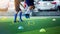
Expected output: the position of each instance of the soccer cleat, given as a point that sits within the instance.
(21, 20)
(14, 21)
(27, 15)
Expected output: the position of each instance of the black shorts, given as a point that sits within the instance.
(17, 8)
(30, 2)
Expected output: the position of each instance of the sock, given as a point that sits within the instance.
(31, 11)
(27, 11)
(20, 15)
(15, 17)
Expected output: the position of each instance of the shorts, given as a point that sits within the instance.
(30, 2)
(17, 8)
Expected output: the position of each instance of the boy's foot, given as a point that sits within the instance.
(14, 21)
(27, 15)
(20, 20)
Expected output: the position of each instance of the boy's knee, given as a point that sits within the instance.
(32, 7)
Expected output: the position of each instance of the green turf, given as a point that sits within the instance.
(31, 26)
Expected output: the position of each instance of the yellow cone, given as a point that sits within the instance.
(53, 19)
(42, 30)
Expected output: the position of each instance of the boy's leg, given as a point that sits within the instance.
(15, 16)
(20, 16)
(27, 13)
(29, 10)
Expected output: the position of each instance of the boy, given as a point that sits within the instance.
(17, 8)
(31, 6)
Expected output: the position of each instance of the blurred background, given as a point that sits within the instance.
(42, 8)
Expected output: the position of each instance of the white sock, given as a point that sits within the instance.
(28, 11)
(31, 11)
